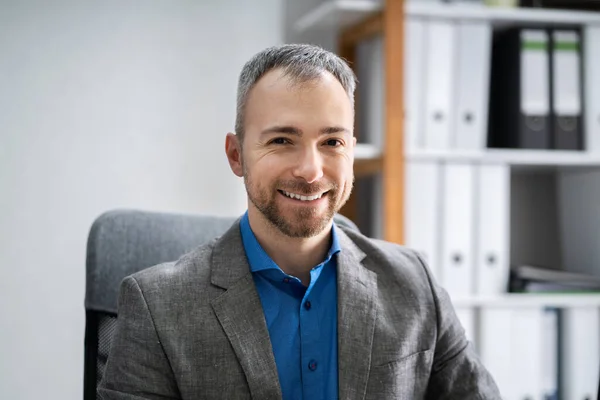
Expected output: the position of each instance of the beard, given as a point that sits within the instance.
(302, 221)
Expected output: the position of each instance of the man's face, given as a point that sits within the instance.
(298, 151)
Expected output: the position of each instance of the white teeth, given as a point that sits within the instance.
(302, 198)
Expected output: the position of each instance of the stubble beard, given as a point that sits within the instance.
(304, 221)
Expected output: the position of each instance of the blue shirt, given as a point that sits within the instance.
(302, 321)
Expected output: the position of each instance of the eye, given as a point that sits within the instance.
(279, 140)
(333, 142)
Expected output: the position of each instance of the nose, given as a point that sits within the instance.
(309, 166)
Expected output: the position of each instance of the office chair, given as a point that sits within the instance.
(123, 242)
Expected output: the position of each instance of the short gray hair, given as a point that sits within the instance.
(301, 62)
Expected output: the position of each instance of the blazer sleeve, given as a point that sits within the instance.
(137, 367)
(457, 371)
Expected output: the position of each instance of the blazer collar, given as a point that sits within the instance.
(241, 316)
(357, 313)
(229, 262)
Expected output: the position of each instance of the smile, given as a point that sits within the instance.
(301, 197)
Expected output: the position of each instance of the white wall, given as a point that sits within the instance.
(104, 104)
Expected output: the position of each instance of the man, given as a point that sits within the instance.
(286, 304)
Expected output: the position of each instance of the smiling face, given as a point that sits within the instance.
(297, 153)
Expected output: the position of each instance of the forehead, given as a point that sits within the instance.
(278, 98)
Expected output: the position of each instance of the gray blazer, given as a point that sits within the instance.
(195, 329)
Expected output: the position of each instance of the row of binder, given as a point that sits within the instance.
(447, 83)
(533, 88)
(538, 353)
(479, 223)
(458, 217)
(536, 90)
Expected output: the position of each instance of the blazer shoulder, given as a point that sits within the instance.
(395, 262)
(190, 268)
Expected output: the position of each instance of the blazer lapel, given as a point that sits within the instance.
(240, 313)
(357, 312)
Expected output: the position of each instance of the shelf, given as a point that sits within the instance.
(337, 14)
(364, 151)
(535, 300)
(368, 160)
(341, 14)
(502, 15)
(522, 158)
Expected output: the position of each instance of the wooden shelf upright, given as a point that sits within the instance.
(389, 23)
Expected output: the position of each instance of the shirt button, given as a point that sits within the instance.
(307, 305)
(312, 365)
(286, 280)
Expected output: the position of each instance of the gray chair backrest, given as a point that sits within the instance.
(123, 242)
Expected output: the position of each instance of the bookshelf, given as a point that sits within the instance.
(338, 14)
(517, 158)
(343, 14)
(354, 21)
(368, 160)
(501, 16)
(530, 186)
(530, 300)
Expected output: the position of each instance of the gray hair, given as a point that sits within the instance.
(301, 62)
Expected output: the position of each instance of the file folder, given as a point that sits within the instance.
(566, 90)
(458, 228)
(415, 82)
(520, 92)
(473, 77)
(492, 263)
(591, 5)
(495, 347)
(440, 44)
(550, 353)
(591, 74)
(512, 350)
(466, 316)
(580, 332)
(527, 353)
(422, 222)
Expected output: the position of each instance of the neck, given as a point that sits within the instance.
(295, 256)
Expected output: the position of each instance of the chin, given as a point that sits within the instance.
(302, 226)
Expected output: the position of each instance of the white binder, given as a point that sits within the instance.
(422, 222)
(511, 349)
(580, 352)
(492, 262)
(414, 82)
(495, 347)
(566, 83)
(535, 74)
(591, 75)
(566, 76)
(457, 228)
(550, 358)
(370, 72)
(466, 316)
(473, 77)
(440, 43)
(527, 353)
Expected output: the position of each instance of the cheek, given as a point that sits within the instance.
(341, 168)
(266, 168)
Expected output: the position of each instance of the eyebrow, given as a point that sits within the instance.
(290, 130)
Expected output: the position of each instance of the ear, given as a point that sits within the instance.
(233, 149)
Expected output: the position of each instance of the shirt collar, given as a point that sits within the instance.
(259, 260)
